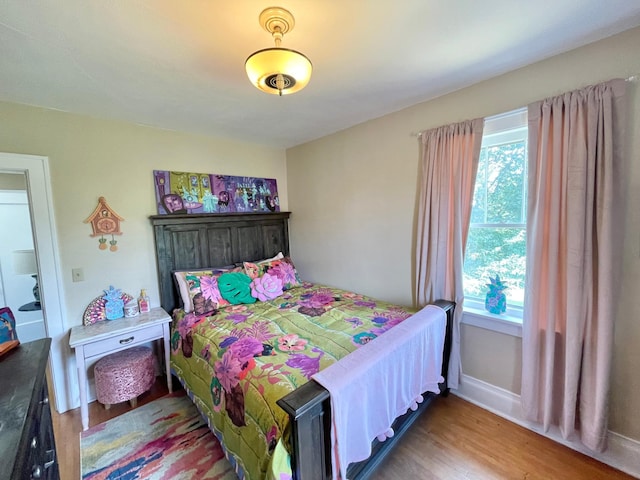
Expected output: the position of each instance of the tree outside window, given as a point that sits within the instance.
(497, 233)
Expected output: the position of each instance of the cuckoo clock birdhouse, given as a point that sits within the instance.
(104, 221)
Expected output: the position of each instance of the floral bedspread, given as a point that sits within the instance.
(238, 362)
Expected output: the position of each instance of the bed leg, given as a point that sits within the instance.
(449, 308)
(309, 410)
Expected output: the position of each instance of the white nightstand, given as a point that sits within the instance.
(93, 341)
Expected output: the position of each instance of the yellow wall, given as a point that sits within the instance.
(353, 197)
(89, 158)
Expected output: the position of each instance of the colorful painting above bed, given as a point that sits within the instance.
(188, 192)
(229, 360)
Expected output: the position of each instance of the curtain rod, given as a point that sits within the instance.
(632, 79)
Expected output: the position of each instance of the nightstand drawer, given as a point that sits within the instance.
(125, 340)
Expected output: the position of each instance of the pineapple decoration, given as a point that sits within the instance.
(114, 304)
(496, 300)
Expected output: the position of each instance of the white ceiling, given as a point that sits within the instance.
(179, 64)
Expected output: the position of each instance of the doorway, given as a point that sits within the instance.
(38, 187)
(18, 263)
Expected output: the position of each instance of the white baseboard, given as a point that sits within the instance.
(623, 452)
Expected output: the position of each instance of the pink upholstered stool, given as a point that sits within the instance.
(124, 375)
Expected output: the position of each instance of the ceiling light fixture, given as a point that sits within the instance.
(278, 70)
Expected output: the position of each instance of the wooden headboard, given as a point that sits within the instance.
(214, 240)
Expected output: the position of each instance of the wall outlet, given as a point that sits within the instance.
(77, 275)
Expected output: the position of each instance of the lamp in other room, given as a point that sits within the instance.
(278, 70)
(24, 263)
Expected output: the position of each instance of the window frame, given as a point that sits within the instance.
(501, 128)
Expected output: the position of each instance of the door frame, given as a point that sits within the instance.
(36, 170)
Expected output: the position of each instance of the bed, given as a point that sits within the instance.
(301, 429)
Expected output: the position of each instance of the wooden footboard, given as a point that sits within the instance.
(309, 410)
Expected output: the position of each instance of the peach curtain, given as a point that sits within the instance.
(449, 164)
(572, 248)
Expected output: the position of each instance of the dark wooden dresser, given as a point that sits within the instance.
(27, 446)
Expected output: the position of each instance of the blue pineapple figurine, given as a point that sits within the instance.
(114, 306)
(496, 300)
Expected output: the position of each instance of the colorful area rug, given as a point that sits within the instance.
(165, 439)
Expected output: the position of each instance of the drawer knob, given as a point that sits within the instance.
(45, 401)
(34, 442)
(36, 472)
(124, 341)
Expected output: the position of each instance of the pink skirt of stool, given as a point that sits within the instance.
(124, 375)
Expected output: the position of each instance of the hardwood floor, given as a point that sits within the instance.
(456, 440)
(453, 440)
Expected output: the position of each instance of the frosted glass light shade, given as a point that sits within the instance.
(264, 66)
(24, 262)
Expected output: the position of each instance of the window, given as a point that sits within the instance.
(497, 233)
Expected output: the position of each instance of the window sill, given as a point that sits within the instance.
(507, 324)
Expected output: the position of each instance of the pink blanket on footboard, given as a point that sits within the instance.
(380, 381)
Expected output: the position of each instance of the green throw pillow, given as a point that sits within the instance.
(235, 288)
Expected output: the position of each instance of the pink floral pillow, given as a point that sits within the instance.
(199, 290)
(267, 287)
(280, 268)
